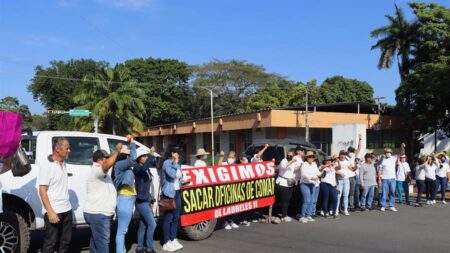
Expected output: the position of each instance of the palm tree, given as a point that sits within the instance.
(396, 42)
(114, 99)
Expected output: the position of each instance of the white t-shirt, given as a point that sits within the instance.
(308, 171)
(53, 175)
(345, 167)
(430, 171)
(255, 159)
(285, 172)
(199, 163)
(330, 176)
(402, 170)
(442, 171)
(176, 183)
(420, 172)
(388, 167)
(298, 162)
(101, 195)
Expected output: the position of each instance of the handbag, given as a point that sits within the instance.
(20, 166)
(166, 205)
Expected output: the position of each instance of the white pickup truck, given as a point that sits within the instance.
(21, 203)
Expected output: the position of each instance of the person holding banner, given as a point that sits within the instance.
(172, 180)
(144, 200)
(285, 183)
(201, 156)
(229, 221)
(309, 176)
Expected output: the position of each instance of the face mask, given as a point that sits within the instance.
(443, 160)
(204, 157)
(289, 157)
(388, 155)
(352, 155)
(230, 161)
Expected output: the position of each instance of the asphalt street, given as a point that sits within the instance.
(412, 229)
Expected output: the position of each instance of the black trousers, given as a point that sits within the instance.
(283, 195)
(60, 233)
(430, 185)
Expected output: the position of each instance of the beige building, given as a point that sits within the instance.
(237, 131)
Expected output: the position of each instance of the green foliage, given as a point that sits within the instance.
(11, 104)
(56, 85)
(115, 98)
(165, 84)
(338, 89)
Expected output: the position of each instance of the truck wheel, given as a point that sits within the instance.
(200, 230)
(14, 233)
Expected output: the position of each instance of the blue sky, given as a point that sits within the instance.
(301, 40)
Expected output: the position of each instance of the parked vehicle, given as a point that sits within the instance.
(278, 148)
(21, 202)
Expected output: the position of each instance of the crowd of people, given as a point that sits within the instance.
(340, 184)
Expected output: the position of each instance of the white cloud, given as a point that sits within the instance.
(127, 4)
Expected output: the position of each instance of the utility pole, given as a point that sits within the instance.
(306, 116)
(378, 99)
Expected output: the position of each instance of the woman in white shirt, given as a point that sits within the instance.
(442, 174)
(430, 180)
(201, 156)
(344, 182)
(420, 180)
(402, 179)
(285, 183)
(309, 176)
(328, 186)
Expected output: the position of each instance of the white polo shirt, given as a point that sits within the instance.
(199, 163)
(442, 170)
(54, 175)
(345, 167)
(402, 170)
(308, 171)
(285, 172)
(101, 195)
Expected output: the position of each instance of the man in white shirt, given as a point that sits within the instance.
(54, 194)
(402, 178)
(386, 170)
(101, 199)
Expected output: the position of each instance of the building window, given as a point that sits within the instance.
(248, 138)
(206, 140)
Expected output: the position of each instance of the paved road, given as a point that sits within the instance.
(412, 229)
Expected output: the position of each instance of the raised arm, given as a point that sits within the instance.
(170, 168)
(358, 149)
(403, 149)
(109, 162)
(261, 152)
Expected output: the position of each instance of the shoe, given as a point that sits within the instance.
(298, 216)
(303, 220)
(286, 219)
(168, 246)
(322, 213)
(418, 205)
(310, 219)
(408, 203)
(326, 216)
(393, 209)
(142, 250)
(177, 244)
(245, 223)
(346, 213)
(228, 227)
(434, 202)
(443, 202)
(234, 225)
(383, 209)
(150, 251)
(364, 209)
(428, 202)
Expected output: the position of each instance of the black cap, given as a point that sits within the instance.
(99, 154)
(351, 149)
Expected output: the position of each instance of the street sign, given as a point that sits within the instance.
(79, 113)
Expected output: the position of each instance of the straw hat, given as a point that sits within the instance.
(310, 153)
(201, 151)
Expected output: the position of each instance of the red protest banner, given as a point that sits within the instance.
(218, 191)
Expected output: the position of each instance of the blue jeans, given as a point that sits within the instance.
(170, 221)
(388, 186)
(329, 194)
(344, 190)
(420, 189)
(147, 225)
(315, 196)
(442, 182)
(367, 196)
(124, 214)
(357, 197)
(100, 226)
(307, 194)
(403, 185)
